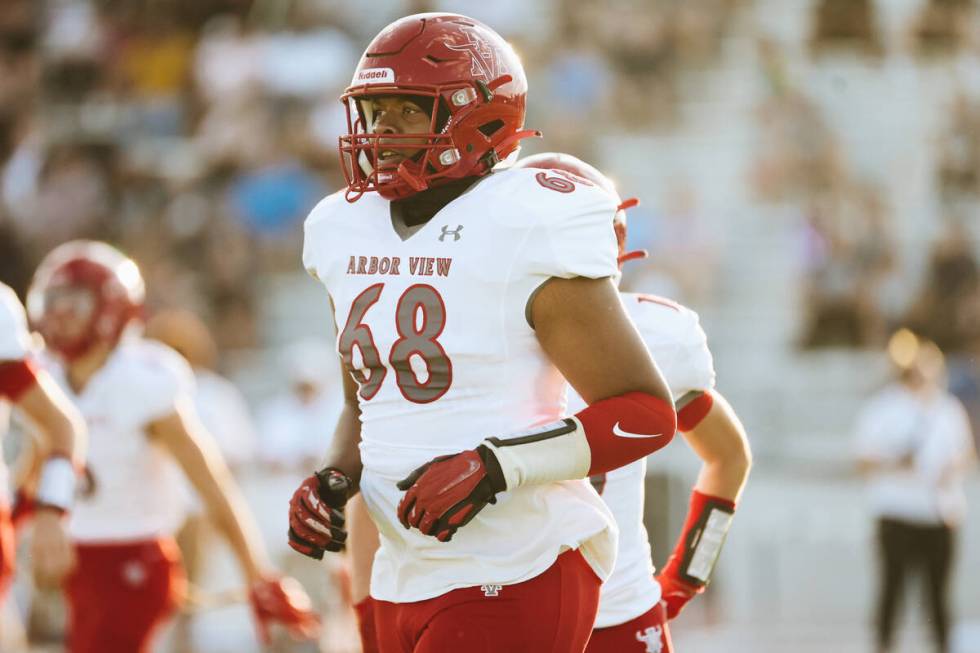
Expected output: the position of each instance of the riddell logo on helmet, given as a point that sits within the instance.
(375, 76)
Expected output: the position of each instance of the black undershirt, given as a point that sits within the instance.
(420, 207)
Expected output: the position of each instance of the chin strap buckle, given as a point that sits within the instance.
(417, 183)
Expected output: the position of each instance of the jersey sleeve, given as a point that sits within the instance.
(696, 368)
(574, 235)
(14, 337)
(164, 380)
(676, 341)
(317, 236)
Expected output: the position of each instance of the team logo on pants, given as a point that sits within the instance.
(491, 590)
(652, 637)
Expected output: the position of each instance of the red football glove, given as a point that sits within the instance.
(283, 601)
(688, 568)
(444, 494)
(316, 513)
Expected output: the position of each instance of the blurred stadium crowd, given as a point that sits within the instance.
(197, 134)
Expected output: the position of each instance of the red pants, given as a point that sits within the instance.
(366, 626)
(648, 633)
(551, 613)
(8, 549)
(120, 594)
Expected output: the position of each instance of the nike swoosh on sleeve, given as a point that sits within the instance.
(637, 436)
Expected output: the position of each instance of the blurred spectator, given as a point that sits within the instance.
(273, 199)
(682, 248)
(580, 85)
(75, 195)
(913, 446)
(226, 63)
(848, 256)
(947, 308)
(959, 150)
(850, 24)
(942, 26)
(296, 427)
(797, 155)
(308, 60)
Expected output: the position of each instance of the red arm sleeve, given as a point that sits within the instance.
(16, 378)
(625, 428)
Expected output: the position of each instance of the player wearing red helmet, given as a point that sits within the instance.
(32, 391)
(465, 294)
(457, 89)
(634, 607)
(85, 299)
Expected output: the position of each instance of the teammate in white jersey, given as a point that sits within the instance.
(634, 606)
(465, 296)
(135, 395)
(62, 430)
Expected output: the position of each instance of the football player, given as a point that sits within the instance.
(135, 395)
(465, 296)
(634, 606)
(62, 432)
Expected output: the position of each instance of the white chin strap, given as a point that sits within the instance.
(509, 160)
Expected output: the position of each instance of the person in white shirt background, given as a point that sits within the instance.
(914, 446)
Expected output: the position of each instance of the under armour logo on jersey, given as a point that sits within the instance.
(491, 590)
(652, 637)
(446, 231)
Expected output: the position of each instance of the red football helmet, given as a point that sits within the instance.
(84, 293)
(579, 168)
(477, 87)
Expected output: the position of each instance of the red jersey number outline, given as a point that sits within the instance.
(412, 341)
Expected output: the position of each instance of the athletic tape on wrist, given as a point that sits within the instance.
(709, 535)
(556, 451)
(56, 487)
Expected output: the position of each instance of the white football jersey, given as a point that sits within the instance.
(14, 346)
(137, 491)
(434, 327)
(14, 338)
(680, 348)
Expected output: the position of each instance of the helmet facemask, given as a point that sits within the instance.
(430, 159)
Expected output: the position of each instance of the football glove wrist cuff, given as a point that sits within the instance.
(555, 452)
(697, 549)
(335, 487)
(56, 487)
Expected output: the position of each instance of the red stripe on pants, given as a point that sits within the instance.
(551, 613)
(648, 633)
(120, 594)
